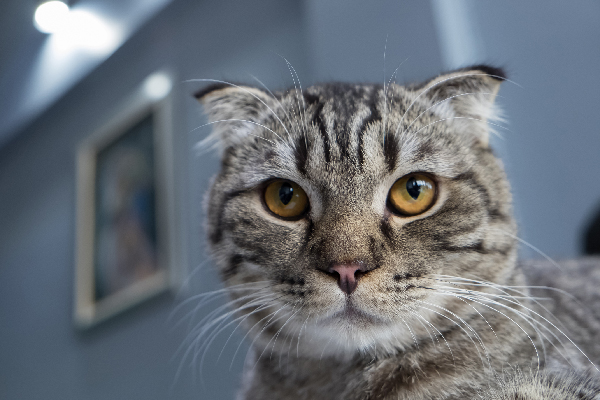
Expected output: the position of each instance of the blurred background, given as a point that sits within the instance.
(56, 89)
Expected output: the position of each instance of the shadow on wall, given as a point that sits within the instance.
(591, 236)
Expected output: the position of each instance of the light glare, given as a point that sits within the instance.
(157, 85)
(87, 31)
(51, 17)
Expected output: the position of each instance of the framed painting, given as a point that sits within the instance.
(124, 228)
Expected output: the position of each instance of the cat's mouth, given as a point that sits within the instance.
(354, 315)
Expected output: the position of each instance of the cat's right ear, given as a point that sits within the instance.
(233, 110)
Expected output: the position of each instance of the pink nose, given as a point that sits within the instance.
(347, 276)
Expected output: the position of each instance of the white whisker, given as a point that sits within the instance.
(506, 316)
(440, 334)
(438, 103)
(467, 334)
(247, 91)
(301, 95)
(203, 143)
(452, 118)
(533, 248)
(287, 115)
(439, 83)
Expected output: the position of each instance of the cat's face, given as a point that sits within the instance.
(338, 209)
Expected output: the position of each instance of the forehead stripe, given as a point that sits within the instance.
(374, 116)
(301, 153)
(318, 119)
(391, 148)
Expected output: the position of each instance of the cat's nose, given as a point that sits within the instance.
(348, 275)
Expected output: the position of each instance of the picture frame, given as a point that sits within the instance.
(125, 207)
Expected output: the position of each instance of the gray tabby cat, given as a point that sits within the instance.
(366, 238)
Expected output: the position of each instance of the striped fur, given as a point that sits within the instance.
(407, 331)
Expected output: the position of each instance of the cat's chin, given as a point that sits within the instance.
(345, 340)
(352, 330)
(352, 315)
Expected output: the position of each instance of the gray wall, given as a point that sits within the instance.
(551, 48)
(552, 160)
(347, 39)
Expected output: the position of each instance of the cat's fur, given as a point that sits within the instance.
(441, 312)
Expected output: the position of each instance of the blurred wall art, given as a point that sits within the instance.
(123, 223)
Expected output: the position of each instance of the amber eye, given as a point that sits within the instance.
(286, 199)
(412, 194)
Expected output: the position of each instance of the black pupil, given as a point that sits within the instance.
(285, 193)
(413, 187)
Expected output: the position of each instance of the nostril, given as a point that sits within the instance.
(359, 273)
(347, 275)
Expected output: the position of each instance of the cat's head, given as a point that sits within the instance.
(338, 209)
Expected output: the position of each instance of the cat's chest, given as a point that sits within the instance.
(407, 376)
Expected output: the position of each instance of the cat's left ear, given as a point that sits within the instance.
(468, 94)
(234, 110)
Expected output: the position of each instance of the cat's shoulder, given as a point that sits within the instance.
(571, 275)
(545, 386)
(566, 294)
(566, 286)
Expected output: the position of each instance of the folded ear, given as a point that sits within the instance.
(232, 110)
(467, 94)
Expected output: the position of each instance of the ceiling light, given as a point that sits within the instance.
(51, 16)
(157, 85)
(88, 31)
